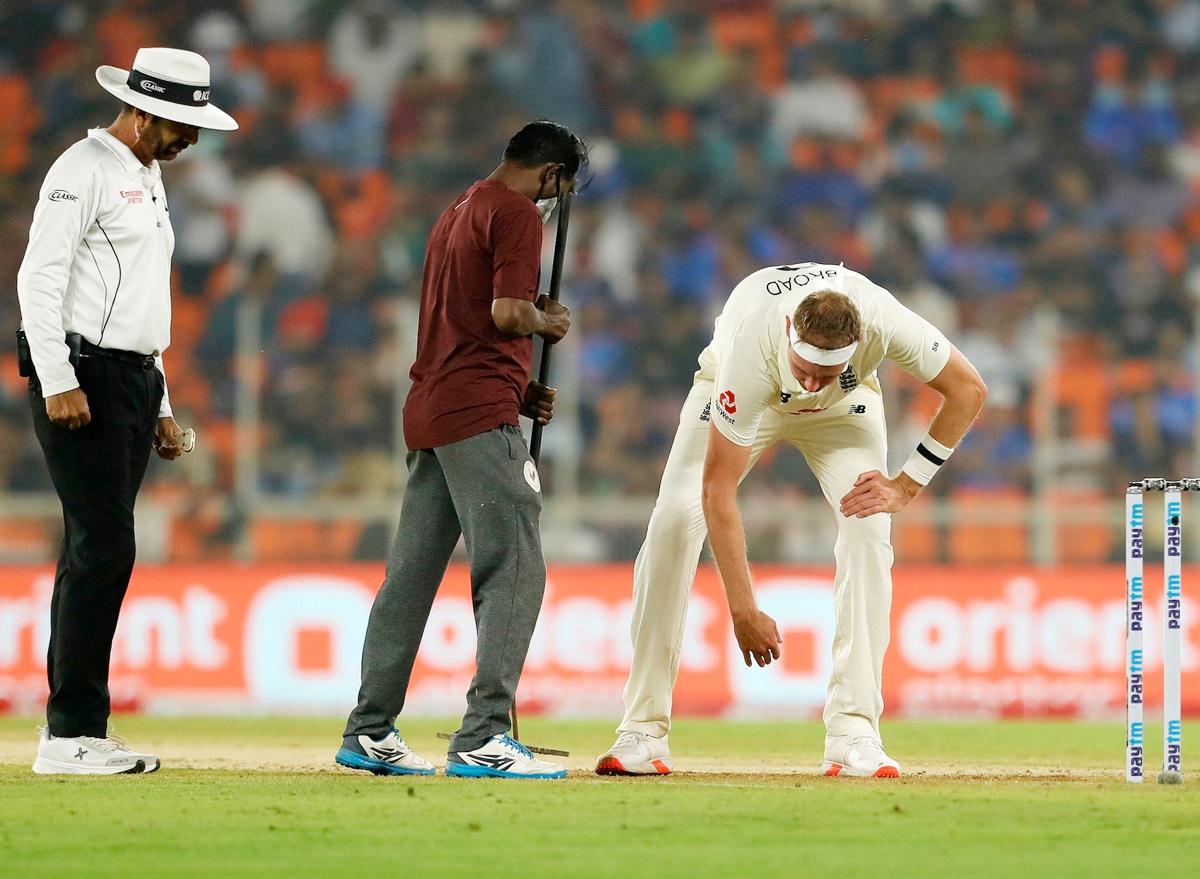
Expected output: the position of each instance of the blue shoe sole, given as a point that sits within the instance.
(463, 770)
(346, 757)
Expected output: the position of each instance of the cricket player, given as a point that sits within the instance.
(793, 358)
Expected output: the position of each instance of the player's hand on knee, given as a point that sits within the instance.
(873, 493)
(69, 409)
(758, 637)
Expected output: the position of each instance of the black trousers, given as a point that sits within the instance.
(96, 471)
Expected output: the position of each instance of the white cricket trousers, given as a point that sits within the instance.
(838, 443)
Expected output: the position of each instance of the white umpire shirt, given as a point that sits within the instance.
(98, 261)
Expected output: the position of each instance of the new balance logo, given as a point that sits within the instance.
(858, 409)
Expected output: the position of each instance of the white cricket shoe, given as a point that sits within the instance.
(88, 755)
(501, 756)
(858, 756)
(636, 753)
(388, 756)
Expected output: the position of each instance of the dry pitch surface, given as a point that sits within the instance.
(711, 750)
(261, 797)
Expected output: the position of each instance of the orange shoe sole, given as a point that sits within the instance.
(881, 772)
(612, 766)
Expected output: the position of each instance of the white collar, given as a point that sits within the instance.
(123, 153)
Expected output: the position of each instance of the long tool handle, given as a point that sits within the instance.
(543, 376)
(556, 270)
(553, 752)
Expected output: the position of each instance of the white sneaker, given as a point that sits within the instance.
(88, 755)
(388, 756)
(859, 756)
(636, 753)
(501, 756)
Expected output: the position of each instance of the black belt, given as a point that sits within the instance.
(143, 361)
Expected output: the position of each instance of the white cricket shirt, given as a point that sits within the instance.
(747, 360)
(98, 261)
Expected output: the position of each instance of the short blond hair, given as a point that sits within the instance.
(827, 319)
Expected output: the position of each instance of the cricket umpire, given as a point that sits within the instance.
(470, 472)
(95, 296)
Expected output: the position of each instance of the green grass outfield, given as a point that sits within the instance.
(261, 797)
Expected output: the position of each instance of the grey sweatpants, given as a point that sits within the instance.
(484, 488)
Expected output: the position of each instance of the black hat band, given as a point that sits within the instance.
(165, 90)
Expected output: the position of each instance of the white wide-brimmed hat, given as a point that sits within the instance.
(171, 83)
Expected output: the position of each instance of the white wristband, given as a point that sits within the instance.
(926, 460)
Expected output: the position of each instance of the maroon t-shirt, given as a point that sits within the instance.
(468, 377)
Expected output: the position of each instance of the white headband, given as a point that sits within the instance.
(820, 356)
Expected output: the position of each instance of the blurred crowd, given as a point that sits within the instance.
(989, 162)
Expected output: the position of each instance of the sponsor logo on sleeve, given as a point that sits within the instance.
(726, 406)
(62, 195)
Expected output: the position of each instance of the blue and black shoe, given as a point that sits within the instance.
(388, 756)
(501, 756)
